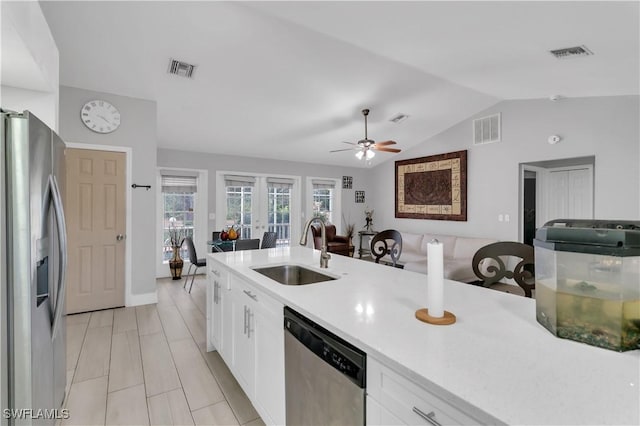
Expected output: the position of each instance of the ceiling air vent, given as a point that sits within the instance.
(398, 118)
(181, 69)
(486, 129)
(570, 52)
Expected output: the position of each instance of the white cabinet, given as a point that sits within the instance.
(393, 399)
(217, 292)
(251, 335)
(269, 385)
(242, 331)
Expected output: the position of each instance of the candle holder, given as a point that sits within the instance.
(447, 319)
(435, 288)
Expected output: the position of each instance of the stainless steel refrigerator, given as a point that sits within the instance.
(33, 261)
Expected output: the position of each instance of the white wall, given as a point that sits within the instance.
(354, 213)
(605, 127)
(138, 131)
(29, 62)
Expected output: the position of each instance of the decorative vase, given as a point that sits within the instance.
(176, 263)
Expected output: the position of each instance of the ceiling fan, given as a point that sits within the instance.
(366, 147)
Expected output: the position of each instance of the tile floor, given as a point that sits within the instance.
(149, 365)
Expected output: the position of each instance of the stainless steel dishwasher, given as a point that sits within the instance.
(324, 375)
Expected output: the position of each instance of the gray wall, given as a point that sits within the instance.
(213, 162)
(138, 131)
(605, 127)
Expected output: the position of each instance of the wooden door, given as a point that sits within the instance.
(95, 212)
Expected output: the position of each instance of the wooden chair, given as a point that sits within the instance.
(269, 240)
(194, 261)
(380, 245)
(497, 255)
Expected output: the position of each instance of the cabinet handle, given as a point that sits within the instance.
(251, 295)
(216, 288)
(431, 417)
(246, 323)
(249, 315)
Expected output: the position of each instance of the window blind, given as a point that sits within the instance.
(323, 184)
(239, 180)
(281, 183)
(179, 184)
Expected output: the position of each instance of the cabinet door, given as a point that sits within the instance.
(243, 342)
(226, 315)
(377, 415)
(269, 336)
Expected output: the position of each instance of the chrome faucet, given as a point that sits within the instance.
(324, 256)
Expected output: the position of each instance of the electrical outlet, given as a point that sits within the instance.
(507, 218)
(500, 218)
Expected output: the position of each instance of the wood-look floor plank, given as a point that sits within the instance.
(160, 373)
(173, 324)
(95, 354)
(148, 319)
(169, 408)
(75, 337)
(233, 393)
(87, 402)
(200, 387)
(217, 414)
(127, 407)
(126, 362)
(101, 318)
(124, 319)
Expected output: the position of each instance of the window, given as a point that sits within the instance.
(259, 203)
(324, 199)
(178, 201)
(239, 195)
(279, 209)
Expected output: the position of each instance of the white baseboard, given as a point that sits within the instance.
(142, 299)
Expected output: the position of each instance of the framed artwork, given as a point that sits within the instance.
(359, 196)
(433, 187)
(347, 182)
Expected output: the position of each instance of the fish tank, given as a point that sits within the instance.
(588, 281)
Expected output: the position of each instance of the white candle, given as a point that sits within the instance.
(435, 279)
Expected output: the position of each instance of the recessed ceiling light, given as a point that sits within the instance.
(570, 52)
(399, 118)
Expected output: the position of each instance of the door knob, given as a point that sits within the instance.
(120, 237)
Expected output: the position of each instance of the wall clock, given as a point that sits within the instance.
(100, 116)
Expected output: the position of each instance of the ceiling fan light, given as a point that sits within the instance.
(359, 155)
(370, 154)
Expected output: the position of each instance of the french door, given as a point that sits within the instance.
(257, 204)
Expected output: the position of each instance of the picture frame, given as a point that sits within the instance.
(347, 182)
(432, 187)
(359, 196)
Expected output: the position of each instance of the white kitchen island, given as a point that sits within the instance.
(496, 364)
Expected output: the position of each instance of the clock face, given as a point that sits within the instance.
(100, 116)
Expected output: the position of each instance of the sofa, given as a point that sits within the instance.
(458, 254)
(337, 244)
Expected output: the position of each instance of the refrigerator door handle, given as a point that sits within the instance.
(62, 244)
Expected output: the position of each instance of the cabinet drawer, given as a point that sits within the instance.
(218, 273)
(257, 298)
(410, 402)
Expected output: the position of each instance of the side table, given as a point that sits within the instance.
(366, 250)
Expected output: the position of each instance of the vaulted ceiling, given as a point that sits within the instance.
(287, 80)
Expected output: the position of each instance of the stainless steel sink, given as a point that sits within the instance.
(293, 274)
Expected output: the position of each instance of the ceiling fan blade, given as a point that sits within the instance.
(350, 143)
(387, 149)
(386, 143)
(340, 150)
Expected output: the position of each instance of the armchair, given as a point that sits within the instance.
(337, 244)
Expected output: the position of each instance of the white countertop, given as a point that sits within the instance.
(495, 358)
